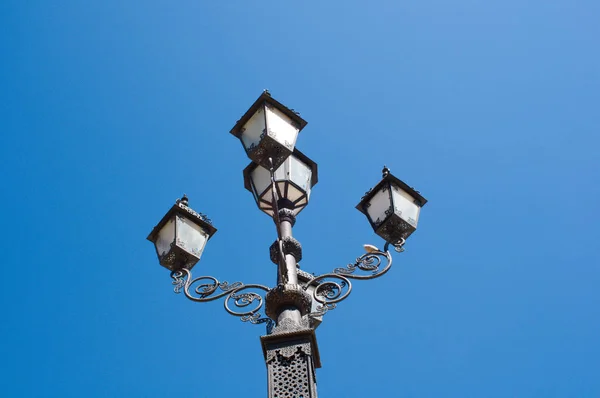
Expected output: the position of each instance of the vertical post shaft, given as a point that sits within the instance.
(290, 260)
(290, 274)
(291, 361)
(291, 351)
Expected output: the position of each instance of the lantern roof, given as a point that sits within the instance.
(265, 97)
(181, 208)
(390, 178)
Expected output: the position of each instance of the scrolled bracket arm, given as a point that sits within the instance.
(247, 303)
(331, 288)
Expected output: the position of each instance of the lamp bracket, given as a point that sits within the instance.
(333, 287)
(208, 288)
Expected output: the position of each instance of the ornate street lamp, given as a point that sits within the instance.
(281, 179)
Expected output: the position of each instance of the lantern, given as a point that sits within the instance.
(180, 236)
(268, 130)
(294, 180)
(392, 208)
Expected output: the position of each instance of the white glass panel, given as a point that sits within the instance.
(190, 236)
(379, 204)
(293, 193)
(404, 206)
(299, 173)
(282, 171)
(281, 189)
(266, 199)
(261, 179)
(253, 129)
(282, 127)
(166, 237)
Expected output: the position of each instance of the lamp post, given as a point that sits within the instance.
(281, 179)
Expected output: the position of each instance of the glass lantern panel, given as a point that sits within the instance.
(294, 193)
(261, 179)
(281, 189)
(404, 205)
(299, 173)
(379, 207)
(165, 237)
(190, 236)
(281, 127)
(253, 129)
(281, 172)
(302, 202)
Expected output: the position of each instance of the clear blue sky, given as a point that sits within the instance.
(110, 110)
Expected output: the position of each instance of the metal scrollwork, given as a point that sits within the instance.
(246, 304)
(398, 246)
(321, 309)
(329, 289)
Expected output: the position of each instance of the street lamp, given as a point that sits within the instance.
(281, 179)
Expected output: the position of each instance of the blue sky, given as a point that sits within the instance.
(110, 110)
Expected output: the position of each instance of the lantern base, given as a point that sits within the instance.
(394, 229)
(267, 148)
(177, 258)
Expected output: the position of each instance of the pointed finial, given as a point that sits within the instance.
(266, 91)
(184, 200)
(385, 171)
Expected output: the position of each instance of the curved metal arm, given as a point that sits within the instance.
(333, 287)
(211, 289)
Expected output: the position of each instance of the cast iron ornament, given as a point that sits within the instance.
(290, 246)
(329, 289)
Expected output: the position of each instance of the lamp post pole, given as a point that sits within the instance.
(288, 220)
(290, 350)
(281, 178)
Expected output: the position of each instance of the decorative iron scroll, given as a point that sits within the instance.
(333, 287)
(208, 288)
